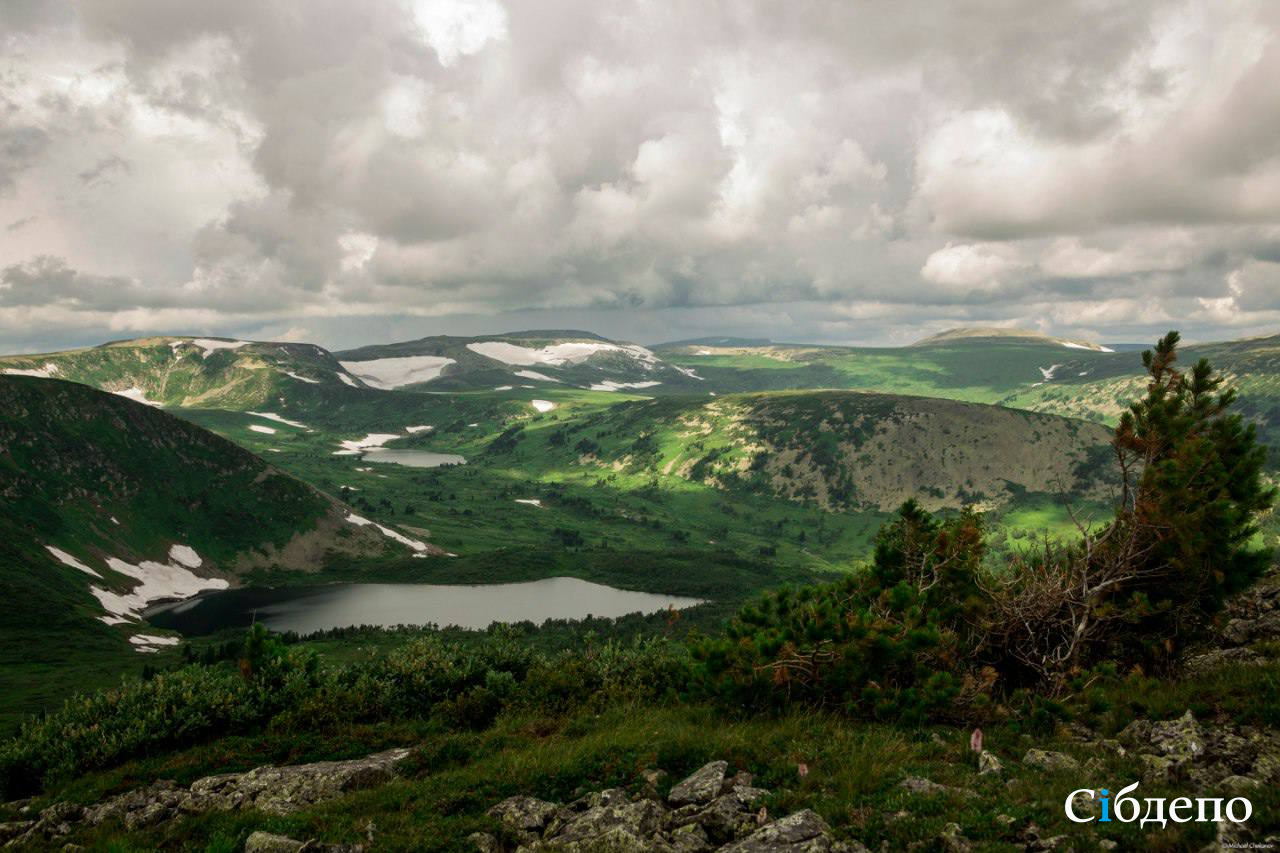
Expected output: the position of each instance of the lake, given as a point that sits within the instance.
(413, 458)
(318, 608)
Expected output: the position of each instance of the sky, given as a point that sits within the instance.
(349, 173)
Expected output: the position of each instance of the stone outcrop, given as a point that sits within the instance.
(275, 790)
(707, 811)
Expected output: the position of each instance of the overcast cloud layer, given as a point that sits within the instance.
(355, 172)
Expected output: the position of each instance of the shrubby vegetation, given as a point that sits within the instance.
(284, 690)
(930, 632)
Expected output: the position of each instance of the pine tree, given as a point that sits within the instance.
(1193, 490)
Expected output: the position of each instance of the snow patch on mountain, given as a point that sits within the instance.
(359, 521)
(208, 346)
(533, 374)
(389, 373)
(356, 446)
(272, 416)
(137, 395)
(156, 581)
(68, 560)
(47, 371)
(556, 355)
(610, 385)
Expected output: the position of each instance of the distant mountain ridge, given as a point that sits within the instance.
(971, 333)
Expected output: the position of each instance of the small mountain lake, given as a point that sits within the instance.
(319, 608)
(412, 458)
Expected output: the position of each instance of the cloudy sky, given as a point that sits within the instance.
(852, 172)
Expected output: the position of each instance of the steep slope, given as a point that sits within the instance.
(107, 505)
(534, 358)
(838, 450)
(196, 372)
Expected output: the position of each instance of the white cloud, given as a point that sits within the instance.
(232, 167)
(970, 266)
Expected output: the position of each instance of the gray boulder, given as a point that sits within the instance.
(1049, 761)
(524, 814)
(702, 787)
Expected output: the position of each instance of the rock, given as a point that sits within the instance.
(952, 841)
(702, 787)
(1055, 843)
(524, 814)
(802, 831)
(691, 838)
(1157, 769)
(277, 790)
(989, 764)
(1083, 805)
(1050, 762)
(484, 842)
(729, 816)
(61, 813)
(1179, 739)
(617, 821)
(918, 785)
(652, 779)
(14, 829)
(1203, 664)
(1239, 784)
(265, 842)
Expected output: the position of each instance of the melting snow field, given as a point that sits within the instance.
(137, 395)
(1099, 348)
(414, 429)
(305, 379)
(388, 373)
(208, 346)
(610, 385)
(530, 501)
(150, 643)
(48, 371)
(347, 380)
(570, 352)
(68, 560)
(542, 405)
(533, 374)
(263, 429)
(272, 416)
(155, 581)
(419, 547)
(356, 446)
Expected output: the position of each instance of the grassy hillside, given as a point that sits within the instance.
(792, 481)
(1018, 370)
(138, 503)
(195, 372)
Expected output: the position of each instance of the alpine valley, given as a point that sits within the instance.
(158, 494)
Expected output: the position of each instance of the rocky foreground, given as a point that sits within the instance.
(707, 811)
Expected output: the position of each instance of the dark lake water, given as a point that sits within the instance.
(307, 609)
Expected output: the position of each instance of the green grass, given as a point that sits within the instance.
(853, 770)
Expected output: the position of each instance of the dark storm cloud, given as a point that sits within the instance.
(832, 170)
